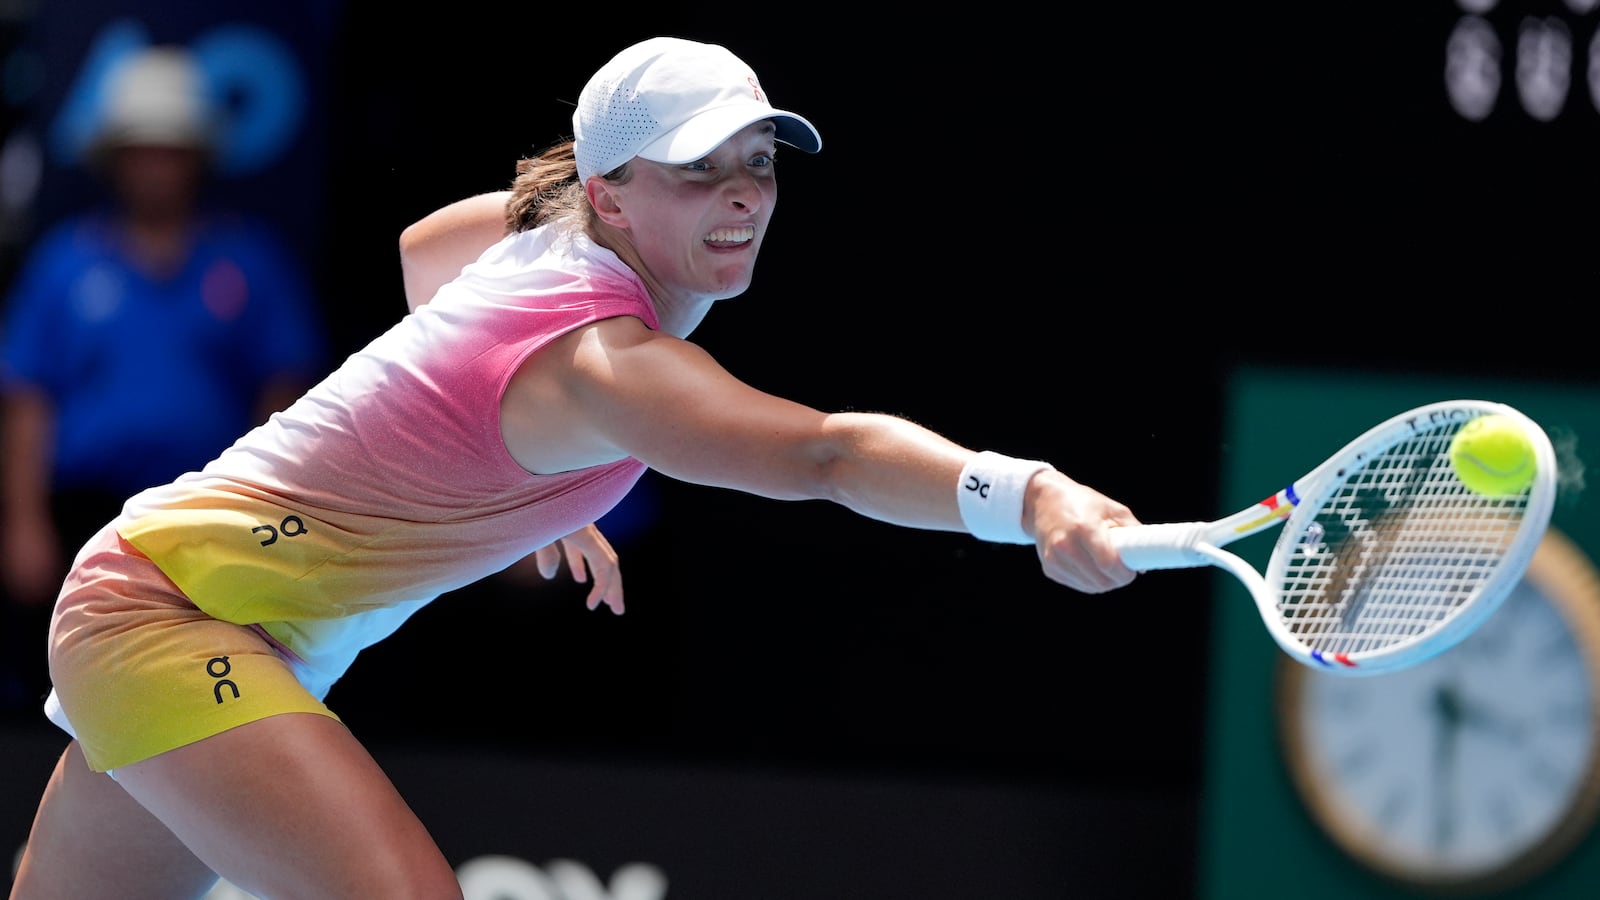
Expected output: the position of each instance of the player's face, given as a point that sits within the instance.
(698, 226)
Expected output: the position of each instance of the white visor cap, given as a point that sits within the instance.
(671, 100)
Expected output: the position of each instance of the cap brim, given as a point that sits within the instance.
(706, 131)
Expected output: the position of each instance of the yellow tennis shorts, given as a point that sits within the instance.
(138, 669)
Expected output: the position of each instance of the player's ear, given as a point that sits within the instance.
(606, 200)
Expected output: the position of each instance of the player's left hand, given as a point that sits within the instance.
(591, 558)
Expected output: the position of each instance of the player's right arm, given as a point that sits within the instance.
(435, 248)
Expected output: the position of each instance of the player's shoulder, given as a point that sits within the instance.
(621, 331)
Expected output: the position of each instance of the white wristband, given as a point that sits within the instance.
(990, 496)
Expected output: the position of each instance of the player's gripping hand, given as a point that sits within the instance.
(1071, 529)
(591, 558)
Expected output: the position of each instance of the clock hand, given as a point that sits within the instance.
(1481, 718)
(1447, 725)
(1447, 706)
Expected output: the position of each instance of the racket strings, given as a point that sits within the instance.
(1394, 551)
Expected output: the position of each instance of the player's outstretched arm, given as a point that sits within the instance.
(617, 388)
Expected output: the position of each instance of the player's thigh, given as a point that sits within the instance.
(91, 840)
(293, 806)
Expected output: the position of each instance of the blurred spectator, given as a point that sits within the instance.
(139, 339)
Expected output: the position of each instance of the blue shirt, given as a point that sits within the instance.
(151, 377)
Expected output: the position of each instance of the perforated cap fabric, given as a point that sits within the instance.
(672, 100)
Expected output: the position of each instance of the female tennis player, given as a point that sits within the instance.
(543, 367)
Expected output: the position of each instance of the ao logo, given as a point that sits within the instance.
(510, 878)
(253, 75)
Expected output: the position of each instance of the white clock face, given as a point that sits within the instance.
(1466, 762)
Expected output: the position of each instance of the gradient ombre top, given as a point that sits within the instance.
(388, 483)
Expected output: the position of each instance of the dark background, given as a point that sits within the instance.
(1050, 235)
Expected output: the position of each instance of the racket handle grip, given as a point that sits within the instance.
(1161, 546)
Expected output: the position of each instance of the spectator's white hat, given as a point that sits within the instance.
(155, 97)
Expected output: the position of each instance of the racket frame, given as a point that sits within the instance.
(1195, 544)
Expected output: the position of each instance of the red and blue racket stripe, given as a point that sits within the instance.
(1333, 660)
(1275, 507)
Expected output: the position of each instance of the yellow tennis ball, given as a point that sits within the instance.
(1493, 456)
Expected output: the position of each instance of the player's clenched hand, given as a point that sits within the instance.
(1071, 528)
(591, 558)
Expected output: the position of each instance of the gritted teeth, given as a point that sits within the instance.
(732, 235)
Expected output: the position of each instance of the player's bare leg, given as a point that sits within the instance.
(290, 806)
(90, 839)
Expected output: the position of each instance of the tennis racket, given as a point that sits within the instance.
(1385, 558)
